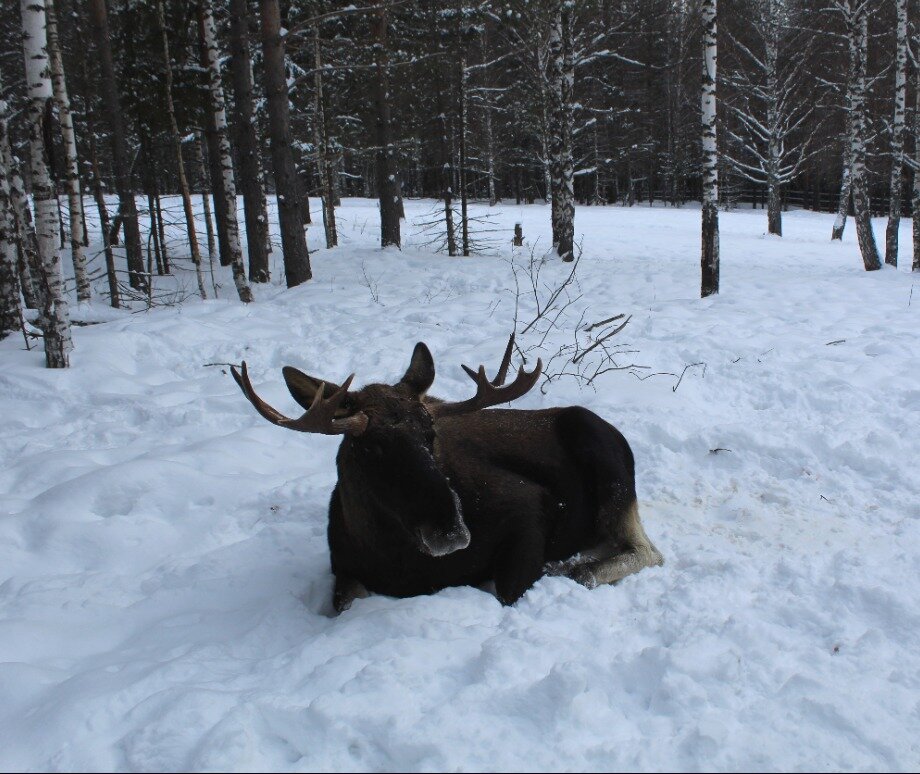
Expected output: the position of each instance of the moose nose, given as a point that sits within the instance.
(438, 543)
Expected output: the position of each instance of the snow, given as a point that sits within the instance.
(165, 587)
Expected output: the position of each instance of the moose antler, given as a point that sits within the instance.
(319, 418)
(491, 393)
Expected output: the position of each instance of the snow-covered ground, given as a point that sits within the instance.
(164, 578)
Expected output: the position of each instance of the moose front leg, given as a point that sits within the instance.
(519, 564)
(346, 591)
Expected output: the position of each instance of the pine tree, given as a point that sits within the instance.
(184, 189)
(293, 240)
(99, 22)
(249, 172)
(387, 172)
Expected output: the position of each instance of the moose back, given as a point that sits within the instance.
(433, 494)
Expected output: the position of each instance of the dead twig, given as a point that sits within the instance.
(687, 368)
(602, 323)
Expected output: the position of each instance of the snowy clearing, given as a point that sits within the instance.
(165, 593)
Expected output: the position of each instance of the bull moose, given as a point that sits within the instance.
(433, 494)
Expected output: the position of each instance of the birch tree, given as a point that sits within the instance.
(74, 195)
(217, 115)
(55, 318)
(915, 203)
(561, 68)
(897, 136)
(28, 266)
(10, 310)
(710, 225)
(856, 13)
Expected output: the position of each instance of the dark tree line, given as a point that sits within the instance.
(594, 102)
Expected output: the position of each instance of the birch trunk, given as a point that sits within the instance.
(447, 171)
(561, 86)
(858, 29)
(177, 149)
(74, 196)
(293, 240)
(897, 137)
(462, 107)
(10, 312)
(56, 319)
(915, 204)
(224, 160)
(247, 144)
(775, 141)
(843, 202)
(710, 219)
(27, 251)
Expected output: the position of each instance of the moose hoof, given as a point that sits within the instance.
(585, 577)
(347, 592)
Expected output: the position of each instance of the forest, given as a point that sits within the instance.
(591, 103)
(584, 261)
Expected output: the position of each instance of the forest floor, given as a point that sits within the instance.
(164, 575)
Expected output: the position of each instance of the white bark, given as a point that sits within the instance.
(710, 224)
(915, 203)
(219, 123)
(74, 196)
(38, 85)
(9, 282)
(561, 70)
(858, 33)
(25, 232)
(897, 136)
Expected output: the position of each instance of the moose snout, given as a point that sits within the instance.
(436, 542)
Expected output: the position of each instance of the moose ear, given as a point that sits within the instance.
(303, 388)
(420, 373)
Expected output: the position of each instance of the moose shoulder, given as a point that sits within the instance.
(433, 494)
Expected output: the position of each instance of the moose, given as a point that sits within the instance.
(432, 494)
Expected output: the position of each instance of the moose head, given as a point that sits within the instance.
(387, 461)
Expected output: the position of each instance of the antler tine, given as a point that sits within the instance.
(319, 418)
(499, 379)
(488, 394)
